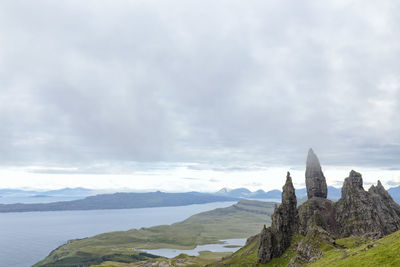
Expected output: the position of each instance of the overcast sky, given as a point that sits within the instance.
(196, 95)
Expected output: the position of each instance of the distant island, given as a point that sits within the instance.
(120, 201)
(151, 199)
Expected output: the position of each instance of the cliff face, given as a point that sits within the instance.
(360, 213)
(276, 239)
(372, 213)
(320, 212)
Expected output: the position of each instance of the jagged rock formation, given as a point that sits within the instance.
(317, 210)
(308, 249)
(315, 179)
(320, 212)
(372, 213)
(276, 239)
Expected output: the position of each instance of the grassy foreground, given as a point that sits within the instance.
(382, 252)
(205, 258)
(241, 220)
(352, 252)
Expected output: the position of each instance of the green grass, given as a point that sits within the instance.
(203, 259)
(352, 252)
(383, 252)
(247, 256)
(238, 221)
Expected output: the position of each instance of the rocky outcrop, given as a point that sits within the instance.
(315, 179)
(276, 238)
(319, 212)
(309, 249)
(373, 213)
(386, 206)
(268, 245)
(285, 218)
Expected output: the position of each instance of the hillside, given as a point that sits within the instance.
(120, 201)
(238, 221)
(349, 252)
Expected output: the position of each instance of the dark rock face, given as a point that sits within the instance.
(315, 179)
(268, 248)
(285, 217)
(319, 212)
(308, 249)
(362, 213)
(276, 239)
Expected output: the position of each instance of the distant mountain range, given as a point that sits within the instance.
(120, 201)
(91, 201)
(395, 193)
(246, 193)
(68, 192)
(333, 193)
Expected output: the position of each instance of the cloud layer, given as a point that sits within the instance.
(223, 83)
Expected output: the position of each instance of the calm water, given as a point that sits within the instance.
(170, 253)
(26, 238)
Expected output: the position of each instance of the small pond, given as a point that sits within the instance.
(229, 245)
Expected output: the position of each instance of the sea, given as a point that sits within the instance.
(28, 237)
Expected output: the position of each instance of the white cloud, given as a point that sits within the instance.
(219, 83)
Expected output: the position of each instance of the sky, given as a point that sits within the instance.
(197, 95)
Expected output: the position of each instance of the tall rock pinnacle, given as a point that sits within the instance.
(275, 239)
(315, 179)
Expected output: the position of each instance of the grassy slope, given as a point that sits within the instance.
(383, 252)
(238, 221)
(247, 256)
(203, 259)
(353, 252)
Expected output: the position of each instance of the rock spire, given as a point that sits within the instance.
(275, 239)
(315, 179)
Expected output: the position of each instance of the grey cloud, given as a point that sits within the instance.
(222, 83)
(254, 184)
(393, 183)
(337, 183)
